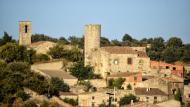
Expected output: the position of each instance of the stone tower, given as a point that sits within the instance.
(92, 35)
(25, 33)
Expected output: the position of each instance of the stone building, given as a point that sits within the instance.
(132, 78)
(25, 33)
(150, 95)
(109, 60)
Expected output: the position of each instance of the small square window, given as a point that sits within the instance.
(174, 68)
(129, 61)
(93, 97)
(167, 67)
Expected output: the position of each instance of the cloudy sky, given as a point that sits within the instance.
(139, 18)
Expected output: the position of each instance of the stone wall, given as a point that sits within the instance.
(98, 83)
(55, 65)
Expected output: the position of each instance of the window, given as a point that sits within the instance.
(26, 29)
(92, 97)
(129, 61)
(174, 68)
(116, 61)
(167, 67)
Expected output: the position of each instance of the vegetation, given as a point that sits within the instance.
(106, 105)
(178, 95)
(82, 72)
(15, 76)
(127, 99)
(42, 37)
(129, 87)
(59, 51)
(71, 101)
(116, 83)
(5, 39)
(87, 86)
(40, 58)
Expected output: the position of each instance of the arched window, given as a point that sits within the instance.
(25, 28)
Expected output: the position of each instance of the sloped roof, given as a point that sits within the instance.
(123, 50)
(150, 92)
(122, 74)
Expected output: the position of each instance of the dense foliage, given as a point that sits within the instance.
(127, 99)
(15, 76)
(42, 37)
(59, 51)
(116, 83)
(5, 39)
(73, 102)
(82, 72)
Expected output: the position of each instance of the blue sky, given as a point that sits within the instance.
(139, 18)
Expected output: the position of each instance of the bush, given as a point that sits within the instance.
(71, 101)
(127, 99)
(116, 83)
(40, 58)
(23, 95)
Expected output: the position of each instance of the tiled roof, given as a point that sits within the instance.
(122, 74)
(150, 92)
(123, 50)
(67, 94)
(58, 73)
(170, 79)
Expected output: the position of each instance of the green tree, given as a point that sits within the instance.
(116, 83)
(81, 72)
(127, 99)
(174, 42)
(188, 104)
(169, 55)
(115, 42)
(59, 85)
(13, 52)
(5, 39)
(129, 87)
(104, 41)
(178, 95)
(63, 40)
(42, 37)
(73, 102)
(127, 37)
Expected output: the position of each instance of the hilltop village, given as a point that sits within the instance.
(66, 75)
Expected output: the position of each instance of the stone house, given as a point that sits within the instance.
(69, 95)
(132, 78)
(94, 99)
(168, 69)
(112, 59)
(150, 95)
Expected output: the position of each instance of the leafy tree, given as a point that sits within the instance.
(115, 42)
(116, 83)
(40, 58)
(30, 104)
(127, 99)
(42, 37)
(63, 40)
(127, 37)
(169, 55)
(188, 104)
(157, 44)
(87, 85)
(81, 72)
(22, 95)
(73, 102)
(56, 52)
(75, 40)
(5, 39)
(104, 41)
(13, 52)
(59, 85)
(129, 87)
(174, 42)
(178, 95)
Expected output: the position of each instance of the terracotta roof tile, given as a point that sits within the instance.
(123, 50)
(151, 91)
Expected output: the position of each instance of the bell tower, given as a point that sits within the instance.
(25, 33)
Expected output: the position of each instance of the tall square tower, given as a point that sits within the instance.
(25, 33)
